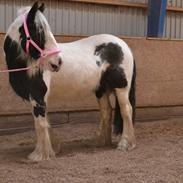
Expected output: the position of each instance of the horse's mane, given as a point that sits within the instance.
(23, 10)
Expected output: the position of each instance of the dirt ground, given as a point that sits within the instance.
(158, 157)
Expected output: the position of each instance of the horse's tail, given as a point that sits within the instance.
(118, 120)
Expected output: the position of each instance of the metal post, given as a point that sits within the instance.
(156, 17)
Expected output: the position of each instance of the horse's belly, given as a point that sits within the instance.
(74, 86)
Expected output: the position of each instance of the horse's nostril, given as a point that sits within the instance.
(55, 67)
(60, 61)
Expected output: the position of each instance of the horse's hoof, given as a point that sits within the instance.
(57, 148)
(101, 141)
(55, 141)
(37, 156)
(125, 145)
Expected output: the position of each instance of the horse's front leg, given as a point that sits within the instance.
(43, 149)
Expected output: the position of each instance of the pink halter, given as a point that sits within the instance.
(29, 41)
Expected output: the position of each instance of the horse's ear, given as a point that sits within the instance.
(32, 13)
(42, 7)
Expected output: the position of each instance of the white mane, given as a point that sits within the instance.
(23, 10)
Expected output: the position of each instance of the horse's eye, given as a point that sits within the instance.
(41, 30)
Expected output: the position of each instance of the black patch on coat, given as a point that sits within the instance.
(36, 32)
(110, 52)
(113, 77)
(19, 81)
(23, 85)
(39, 110)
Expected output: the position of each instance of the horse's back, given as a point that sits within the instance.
(93, 41)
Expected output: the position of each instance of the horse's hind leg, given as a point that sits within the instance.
(104, 133)
(127, 141)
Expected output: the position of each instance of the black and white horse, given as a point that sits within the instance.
(101, 64)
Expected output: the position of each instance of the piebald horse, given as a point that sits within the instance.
(100, 65)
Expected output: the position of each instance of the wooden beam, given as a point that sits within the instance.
(114, 3)
(174, 9)
(125, 4)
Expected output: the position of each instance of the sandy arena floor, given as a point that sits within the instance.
(158, 157)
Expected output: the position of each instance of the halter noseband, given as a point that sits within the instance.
(30, 41)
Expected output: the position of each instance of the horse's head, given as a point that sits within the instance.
(38, 31)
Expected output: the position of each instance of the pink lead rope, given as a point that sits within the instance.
(28, 42)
